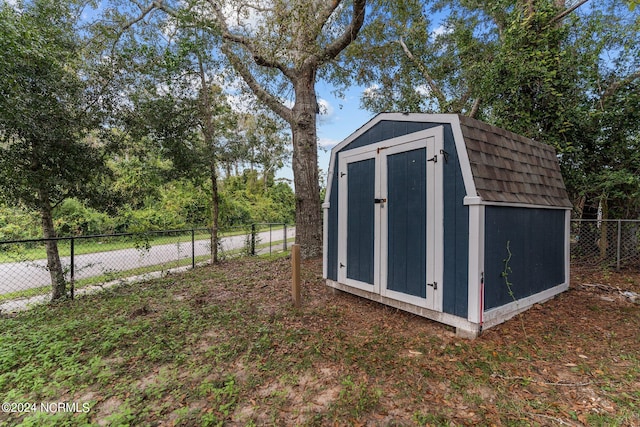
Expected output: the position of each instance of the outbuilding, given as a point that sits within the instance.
(446, 217)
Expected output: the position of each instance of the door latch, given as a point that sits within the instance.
(434, 285)
(434, 159)
(380, 200)
(446, 156)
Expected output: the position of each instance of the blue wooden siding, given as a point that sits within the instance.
(456, 215)
(360, 220)
(536, 239)
(386, 129)
(382, 130)
(455, 292)
(406, 210)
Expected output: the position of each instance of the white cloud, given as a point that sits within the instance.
(243, 16)
(439, 31)
(423, 90)
(327, 143)
(12, 3)
(326, 111)
(372, 91)
(287, 102)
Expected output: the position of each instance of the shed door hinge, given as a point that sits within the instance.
(342, 174)
(434, 285)
(434, 159)
(380, 149)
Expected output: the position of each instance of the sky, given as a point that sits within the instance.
(340, 118)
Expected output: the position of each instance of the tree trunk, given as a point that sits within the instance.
(58, 283)
(215, 209)
(208, 131)
(305, 167)
(603, 242)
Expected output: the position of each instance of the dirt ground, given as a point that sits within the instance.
(223, 345)
(574, 360)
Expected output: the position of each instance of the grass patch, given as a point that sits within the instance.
(223, 345)
(105, 278)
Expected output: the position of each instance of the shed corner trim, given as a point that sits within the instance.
(472, 200)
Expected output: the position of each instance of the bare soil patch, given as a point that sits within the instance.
(223, 345)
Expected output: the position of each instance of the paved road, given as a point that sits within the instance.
(33, 274)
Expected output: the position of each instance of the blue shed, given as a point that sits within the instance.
(446, 217)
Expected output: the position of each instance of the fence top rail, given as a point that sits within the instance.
(605, 220)
(100, 236)
(141, 233)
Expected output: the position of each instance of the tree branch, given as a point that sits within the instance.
(143, 13)
(613, 87)
(442, 99)
(327, 11)
(350, 33)
(566, 12)
(260, 92)
(258, 58)
(474, 108)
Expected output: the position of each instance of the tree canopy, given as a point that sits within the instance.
(277, 49)
(49, 115)
(565, 73)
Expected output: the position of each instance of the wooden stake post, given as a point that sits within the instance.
(295, 267)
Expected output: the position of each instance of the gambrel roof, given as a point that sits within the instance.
(499, 166)
(510, 168)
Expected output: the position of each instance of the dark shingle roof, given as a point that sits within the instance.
(510, 168)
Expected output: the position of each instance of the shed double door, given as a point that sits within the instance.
(390, 219)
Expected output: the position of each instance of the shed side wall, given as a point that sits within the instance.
(536, 243)
(455, 298)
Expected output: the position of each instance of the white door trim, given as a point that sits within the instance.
(344, 159)
(433, 140)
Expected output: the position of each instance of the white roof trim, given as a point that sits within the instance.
(451, 119)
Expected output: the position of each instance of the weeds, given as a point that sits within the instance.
(223, 345)
(505, 274)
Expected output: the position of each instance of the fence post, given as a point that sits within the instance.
(284, 246)
(618, 244)
(253, 239)
(73, 269)
(193, 248)
(295, 279)
(270, 239)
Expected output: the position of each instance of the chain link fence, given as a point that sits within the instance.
(91, 262)
(605, 243)
(94, 262)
